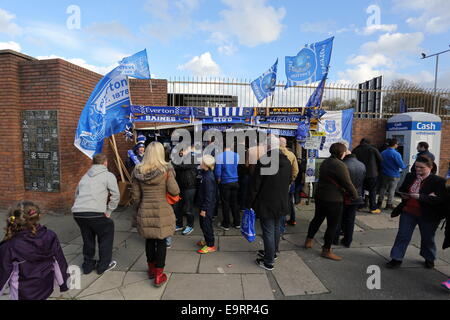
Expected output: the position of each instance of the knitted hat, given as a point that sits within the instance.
(141, 139)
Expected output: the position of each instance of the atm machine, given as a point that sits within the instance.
(414, 127)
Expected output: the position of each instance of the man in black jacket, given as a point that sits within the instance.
(371, 158)
(268, 196)
(186, 176)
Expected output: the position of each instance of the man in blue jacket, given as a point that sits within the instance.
(391, 165)
(226, 172)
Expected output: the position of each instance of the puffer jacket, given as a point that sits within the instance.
(155, 217)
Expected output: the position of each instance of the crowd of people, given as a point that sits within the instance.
(165, 193)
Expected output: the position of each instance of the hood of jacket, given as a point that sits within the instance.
(152, 177)
(37, 247)
(97, 169)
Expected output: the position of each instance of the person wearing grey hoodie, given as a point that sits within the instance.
(92, 213)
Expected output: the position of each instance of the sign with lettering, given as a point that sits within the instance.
(280, 111)
(40, 141)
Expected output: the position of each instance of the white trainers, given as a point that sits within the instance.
(111, 266)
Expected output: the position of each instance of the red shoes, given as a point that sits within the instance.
(157, 274)
(160, 277)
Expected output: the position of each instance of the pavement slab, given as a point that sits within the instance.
(347, 279)
(189, 243)
(444, 270)
(85, 282)
(294, 277)
(229, 262)
(109, 280)
(412, 257)
(379, 221)
(176, 261)
(257, 287)
(114, 294)
(143, 290)
(207, 287)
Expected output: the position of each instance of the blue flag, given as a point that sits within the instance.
(108, 108)
(310, 64)
(316, 98)
(265, 85)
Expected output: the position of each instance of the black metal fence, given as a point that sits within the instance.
(220, 92)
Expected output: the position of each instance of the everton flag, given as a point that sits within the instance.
(310, 64)
(107, 110)
(265, 85)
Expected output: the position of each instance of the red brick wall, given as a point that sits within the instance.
(374, 129)
(11, 158)
(445, 148)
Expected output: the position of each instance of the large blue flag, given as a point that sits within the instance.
(108, 108)
(310, 64)
(265, 85)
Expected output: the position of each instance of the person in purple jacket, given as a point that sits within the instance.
(31, 258)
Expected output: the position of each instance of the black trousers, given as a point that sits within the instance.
(332, 211)
(347, 224)
(229, 194)
(206, 223)
(185, 207)
(370, 184)
(101, 228)
(155, 250)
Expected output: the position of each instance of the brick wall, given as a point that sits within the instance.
(445, 148)
(374, 129)
(11, 158)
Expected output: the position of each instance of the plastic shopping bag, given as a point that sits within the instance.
(248, 225)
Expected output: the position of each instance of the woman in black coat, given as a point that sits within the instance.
(423, 204)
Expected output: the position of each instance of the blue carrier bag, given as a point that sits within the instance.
(248, 225)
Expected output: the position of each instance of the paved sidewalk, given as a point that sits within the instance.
(231, 273)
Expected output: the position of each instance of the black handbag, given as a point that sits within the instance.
(398, 210)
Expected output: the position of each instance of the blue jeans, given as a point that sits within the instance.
(271, 238)
(406, 228)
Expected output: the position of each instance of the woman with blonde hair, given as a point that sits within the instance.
(153, 179)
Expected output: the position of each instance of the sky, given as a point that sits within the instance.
(236, 38)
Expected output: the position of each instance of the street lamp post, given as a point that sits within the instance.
(424, 56)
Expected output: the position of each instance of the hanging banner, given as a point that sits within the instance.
(277, 119)
(173, 111)
(200, 112)
(217, 120)
(279, 111)
(310, 175)
(165, 119)
(338, 126)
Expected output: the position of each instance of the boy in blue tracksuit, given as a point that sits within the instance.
(391, 165)
(207, 204)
